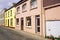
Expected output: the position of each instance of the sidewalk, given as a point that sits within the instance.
(28, 35)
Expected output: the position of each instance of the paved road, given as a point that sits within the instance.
(8, 34)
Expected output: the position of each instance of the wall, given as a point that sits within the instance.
(53, 13)
(31, 13)
(13, 17)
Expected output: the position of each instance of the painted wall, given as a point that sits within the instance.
(53, 25)
(53, 13)
(8, 16)
(32, 13)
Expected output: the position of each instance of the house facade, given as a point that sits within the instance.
(40, 17)
(29, 16)
(2, 17)
(52, 17)
(10, 17)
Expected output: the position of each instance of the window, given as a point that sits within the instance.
(11, 22)
(6, 22)
(17, 21)
(8, 13)
(28, 21)
(33, 3)
(38, 20)
(18, 10)
(38, 23)
(11, 13)
(24, 8)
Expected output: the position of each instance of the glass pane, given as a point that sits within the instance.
(28, 21)
(38, 21)
(38, 29)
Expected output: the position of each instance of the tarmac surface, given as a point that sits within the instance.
(10, 34)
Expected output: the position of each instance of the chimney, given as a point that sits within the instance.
(13, 4)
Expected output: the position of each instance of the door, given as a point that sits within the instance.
(37, 23)
(8, 22)
(22, 24)
(53, 28)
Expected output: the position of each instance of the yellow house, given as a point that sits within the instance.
(10, 17)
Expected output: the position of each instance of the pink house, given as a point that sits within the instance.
(38, 16)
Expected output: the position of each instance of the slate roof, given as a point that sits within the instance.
(50, 2)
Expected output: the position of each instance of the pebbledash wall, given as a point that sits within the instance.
(34, 16)
(29, 17)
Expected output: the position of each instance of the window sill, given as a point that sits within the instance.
(33, 8)
(24, 11)
(29, 27)
(17, 13)
(17, 24)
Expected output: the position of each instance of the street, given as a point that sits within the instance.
(8, 34)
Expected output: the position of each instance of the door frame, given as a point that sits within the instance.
(22, 23)
(8, 22)
(36, 17)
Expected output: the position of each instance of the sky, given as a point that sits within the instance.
(7, 3)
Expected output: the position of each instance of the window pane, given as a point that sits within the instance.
(28, 21)
(8, 13)
(24, 7)
(17, 21)
(11, 22)
(11, 13)
(38, 22)
(33, 3)
(18, 9)
(38, 29)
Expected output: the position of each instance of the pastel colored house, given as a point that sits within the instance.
(40, 17)
(52, 17)
(29, 17)
(10, 17)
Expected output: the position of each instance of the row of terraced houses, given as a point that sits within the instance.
(41, 17)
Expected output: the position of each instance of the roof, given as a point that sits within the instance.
(20, 2)
(50, 2)
(9, 8)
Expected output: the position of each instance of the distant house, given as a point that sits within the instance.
(2, 17)
(10, 17)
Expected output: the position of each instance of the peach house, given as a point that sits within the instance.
(38, 17)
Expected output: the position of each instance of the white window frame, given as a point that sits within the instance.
(24, 7)
(27, 22)
(33, 3)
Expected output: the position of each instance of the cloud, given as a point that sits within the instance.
(0, 9)
(5, 0)
(9, 4)
(1, 6)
